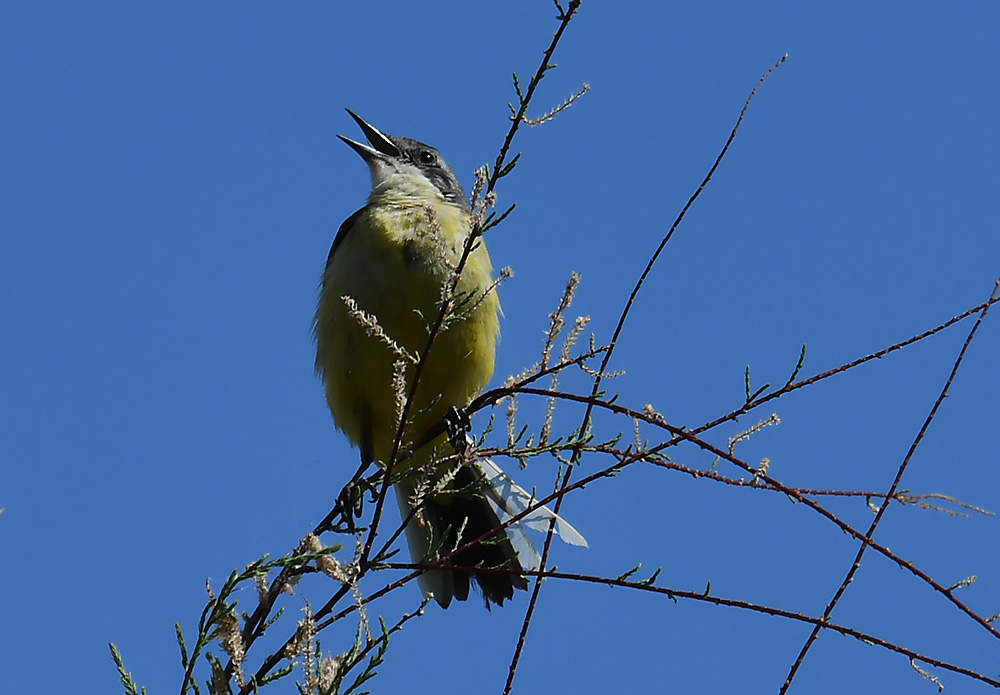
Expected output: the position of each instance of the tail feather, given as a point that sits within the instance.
(483, 497)
(476, 515)
(436, 583)
(451, 521)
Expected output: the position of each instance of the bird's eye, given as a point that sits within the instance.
(426, 157)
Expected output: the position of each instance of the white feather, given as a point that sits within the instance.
(511, 499)
(436, 583)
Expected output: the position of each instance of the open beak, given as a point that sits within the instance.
(382, 147)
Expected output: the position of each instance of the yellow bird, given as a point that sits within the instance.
(381, 291)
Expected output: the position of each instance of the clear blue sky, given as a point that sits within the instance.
(171, 182)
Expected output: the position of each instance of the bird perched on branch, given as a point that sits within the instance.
(387, 276)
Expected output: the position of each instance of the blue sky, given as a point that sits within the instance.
(171, 181)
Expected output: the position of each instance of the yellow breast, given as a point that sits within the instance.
(394, 263)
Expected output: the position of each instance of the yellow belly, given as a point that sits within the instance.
(393, 263)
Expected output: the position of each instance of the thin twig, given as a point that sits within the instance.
(844, 367)
(856, 565)
(604, 365)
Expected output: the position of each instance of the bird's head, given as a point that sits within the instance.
(405, 164)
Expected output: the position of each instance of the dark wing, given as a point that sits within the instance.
(342, 233)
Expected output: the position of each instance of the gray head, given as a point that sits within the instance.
(389, 152)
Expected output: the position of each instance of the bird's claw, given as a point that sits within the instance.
(457, 423)
(350, 502)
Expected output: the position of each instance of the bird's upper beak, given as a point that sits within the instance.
(382, 148)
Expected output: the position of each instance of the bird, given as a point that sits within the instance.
(380, 292)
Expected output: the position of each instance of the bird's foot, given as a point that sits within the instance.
(457, 423)
(350, 504)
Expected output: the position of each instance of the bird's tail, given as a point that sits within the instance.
(480, 498)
